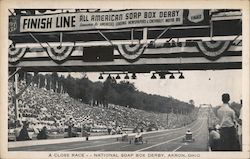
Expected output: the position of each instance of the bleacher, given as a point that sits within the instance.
(41, 107)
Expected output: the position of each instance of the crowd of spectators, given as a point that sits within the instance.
(46, 108)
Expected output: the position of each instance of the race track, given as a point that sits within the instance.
(167, 140)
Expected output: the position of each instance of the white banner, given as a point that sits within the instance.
(101, 20)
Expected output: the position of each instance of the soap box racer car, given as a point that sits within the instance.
(124, 137)
(139, 139)
(188, 137)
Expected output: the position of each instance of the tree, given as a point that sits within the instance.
(123, 93)
(191, 101)
(54, 80)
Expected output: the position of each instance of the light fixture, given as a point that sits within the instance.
(109, 77)
(162, 75)
(173, 43)
(100, 77)
(181, 76)
(168, 44)
(126, 76)
(117, 77)
(153, 76)
(172, 76)
(133, 76)
(179, 44)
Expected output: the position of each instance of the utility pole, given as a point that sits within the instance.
(16, 99)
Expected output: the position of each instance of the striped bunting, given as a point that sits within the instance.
(59, 53)
(15, 54)
(131, 53)
(213, 49)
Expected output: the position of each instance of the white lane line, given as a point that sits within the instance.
(187, 143)
(197, 134)
(85, 147)
(177, 148)
(170, 131)
(126, 146)
(159, 144)
(192, 125)
(159, 135)
(167, 140)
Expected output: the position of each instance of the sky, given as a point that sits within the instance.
(204, 87)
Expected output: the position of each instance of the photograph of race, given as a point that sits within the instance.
(134, 80)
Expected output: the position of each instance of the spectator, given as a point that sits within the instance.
(18, 128)
(73, 131)
(113, 132)
(118, 130)
(70, 126)
(227, 123)
(214, 138)
(47, 108)
(24, 133)
(43, 134)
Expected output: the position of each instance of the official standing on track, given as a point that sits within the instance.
(226, 116)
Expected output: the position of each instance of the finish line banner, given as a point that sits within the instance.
(101, 20)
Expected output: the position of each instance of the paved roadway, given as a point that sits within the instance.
(167, 140)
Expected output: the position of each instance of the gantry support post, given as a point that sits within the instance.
(15, 100)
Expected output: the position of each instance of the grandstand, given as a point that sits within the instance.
(41, 107)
